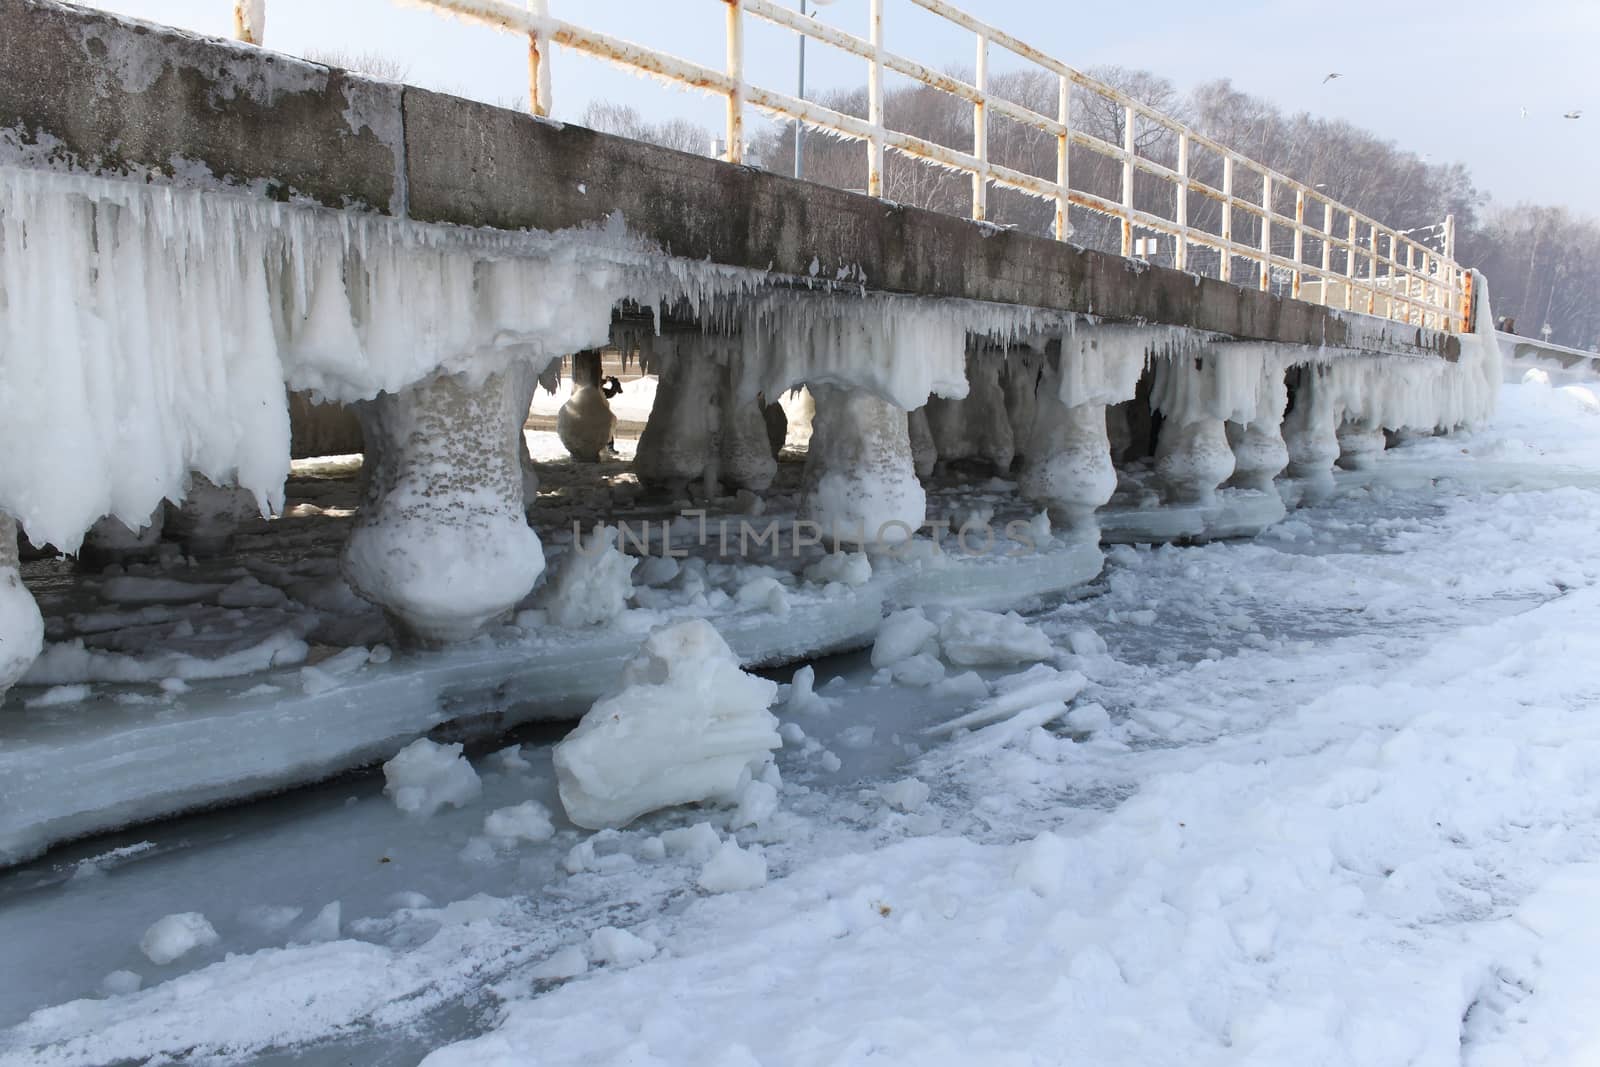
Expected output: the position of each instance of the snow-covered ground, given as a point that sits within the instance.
(1325, 796)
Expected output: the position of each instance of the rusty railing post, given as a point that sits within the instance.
(250, 21)
(538, 61)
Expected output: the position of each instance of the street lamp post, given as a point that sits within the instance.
(800, 127)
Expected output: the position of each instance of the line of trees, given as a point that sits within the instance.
(1543, 263)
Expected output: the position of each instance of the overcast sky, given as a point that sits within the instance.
(1447, 78)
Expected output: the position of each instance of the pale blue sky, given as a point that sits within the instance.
(1448, 78)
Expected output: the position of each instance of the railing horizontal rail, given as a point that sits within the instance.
(1383, 270)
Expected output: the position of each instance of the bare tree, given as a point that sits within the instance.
(625, 121)
(372, 64)
(1543, 263)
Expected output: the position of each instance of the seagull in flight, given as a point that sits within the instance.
(1574, 114)
(1332, 76)
(1524, 112)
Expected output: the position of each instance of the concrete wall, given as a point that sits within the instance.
(83, 89)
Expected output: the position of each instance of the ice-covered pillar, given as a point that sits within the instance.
(978, 425)
(860, 483)
(747, 459)
(1020, 384)
(441, 542)
(585, 423)
(680, 439)
(1311, 428)
(1360, 444)
(1066, 463)
(1259, 452)
(1118, 431)
(205, 522)
(21, 628)
(1193, 458)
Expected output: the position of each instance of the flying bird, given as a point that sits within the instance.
(1573, 114)
(1332, 76)
(1524, 112)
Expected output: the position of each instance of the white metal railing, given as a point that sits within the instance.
(1385, 271)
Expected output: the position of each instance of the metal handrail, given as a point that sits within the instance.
(1404, 280)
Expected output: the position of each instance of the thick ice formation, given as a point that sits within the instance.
(1193, 458)
(1197, 394)
(1259, 452)
(441, 541)
(1066, 463)
(425, 776)
(21, 626)
(1311, 427)
(1425, 394)
(594, 581)
(684, 724)
(125, 376)
(917, 346)
(1360, 444)
(1102, 364)
(860, 483)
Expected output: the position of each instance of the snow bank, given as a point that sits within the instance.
(174, 936)
(684, 724)
(425, 776)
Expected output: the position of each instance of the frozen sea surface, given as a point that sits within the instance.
(1327, 796)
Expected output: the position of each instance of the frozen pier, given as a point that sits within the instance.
(855, 407)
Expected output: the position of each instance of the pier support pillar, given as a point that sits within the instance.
(585, 423)
(1259, 451)
(977, 426)
(441, 542)
(1360, 445)
(1066, 464)
(21, 627)
(1311, 428)
(860, 482)
(747, 459)
(680, 443)
(1193, 459)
